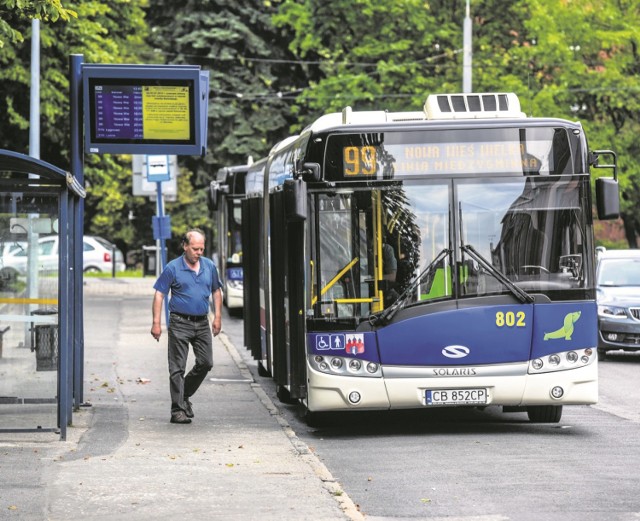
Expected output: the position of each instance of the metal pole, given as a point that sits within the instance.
(467, 52)
(34, 115)
(76, 215)
(163, 250)
(34, 151)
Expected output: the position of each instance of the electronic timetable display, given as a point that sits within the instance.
(145, 109)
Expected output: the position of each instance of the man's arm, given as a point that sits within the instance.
(156, 308)
(216, 326)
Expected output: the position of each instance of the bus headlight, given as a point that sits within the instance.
(344, 366)
(562, 361)
(336, 362)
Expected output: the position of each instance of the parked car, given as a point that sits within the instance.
(97, 256)
(618, 294)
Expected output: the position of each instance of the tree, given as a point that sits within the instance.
(250, 82)
(104, 32)
(251, 79)
(45, 10)
(584, 65)
(572, 59)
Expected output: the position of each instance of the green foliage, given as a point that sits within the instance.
(574, 59)
(238, 44)
(103, 32)
(275, 65)
(45, 10)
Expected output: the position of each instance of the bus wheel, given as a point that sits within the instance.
(313, 419)
(284, 395)
(602, 355)
(262, 371)
(544, 413)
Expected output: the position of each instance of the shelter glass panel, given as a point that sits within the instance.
(29, 345)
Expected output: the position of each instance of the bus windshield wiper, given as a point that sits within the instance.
(388, 313)
(520, 294)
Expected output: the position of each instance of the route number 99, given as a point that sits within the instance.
(359, 160)
(510, 319)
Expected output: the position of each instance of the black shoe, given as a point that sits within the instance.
(187, 408)
(180, 417)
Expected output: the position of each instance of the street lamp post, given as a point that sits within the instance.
(467, 51)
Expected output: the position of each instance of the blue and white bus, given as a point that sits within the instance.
(427, 259)
(225, 195)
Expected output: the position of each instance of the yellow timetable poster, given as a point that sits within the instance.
(165, 112)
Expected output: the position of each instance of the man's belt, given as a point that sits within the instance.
(191, 318)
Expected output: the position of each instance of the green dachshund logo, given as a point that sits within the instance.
(567, 329)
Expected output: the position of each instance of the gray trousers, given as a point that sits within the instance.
(183, 332)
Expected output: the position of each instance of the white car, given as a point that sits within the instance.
(97, 256)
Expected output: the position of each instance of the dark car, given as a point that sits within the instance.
(618, 286)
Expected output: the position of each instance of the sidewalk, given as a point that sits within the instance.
(238, 460)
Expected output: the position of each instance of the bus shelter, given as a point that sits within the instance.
(41, 337)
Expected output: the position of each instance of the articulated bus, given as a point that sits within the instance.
(225, 195)
(442, 258)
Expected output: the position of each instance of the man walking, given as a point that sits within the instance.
(192, 279)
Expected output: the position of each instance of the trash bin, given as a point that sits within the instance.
(44, 341)
(2, 332)
(149, 259)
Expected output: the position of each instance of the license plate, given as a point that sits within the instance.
(456, 397)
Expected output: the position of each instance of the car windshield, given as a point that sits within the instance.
(619, 272)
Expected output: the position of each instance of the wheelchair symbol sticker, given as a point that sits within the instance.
(324, 342)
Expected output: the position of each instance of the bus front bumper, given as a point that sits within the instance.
(334, 393)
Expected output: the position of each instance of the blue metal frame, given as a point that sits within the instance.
(71, 192)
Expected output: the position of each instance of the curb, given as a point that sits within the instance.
(329, 483)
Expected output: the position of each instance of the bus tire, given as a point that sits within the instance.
(544, 413)
(602, 355)
(313, 418)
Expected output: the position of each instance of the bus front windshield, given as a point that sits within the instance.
(421, 240)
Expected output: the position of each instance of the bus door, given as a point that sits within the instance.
(252, 239)
(344, 283)
(296, 304)
(278, 298)
(287, 300)
(361, 255)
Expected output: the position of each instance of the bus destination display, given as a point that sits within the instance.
(450, 158)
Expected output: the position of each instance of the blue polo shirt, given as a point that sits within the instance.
(190, 291)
